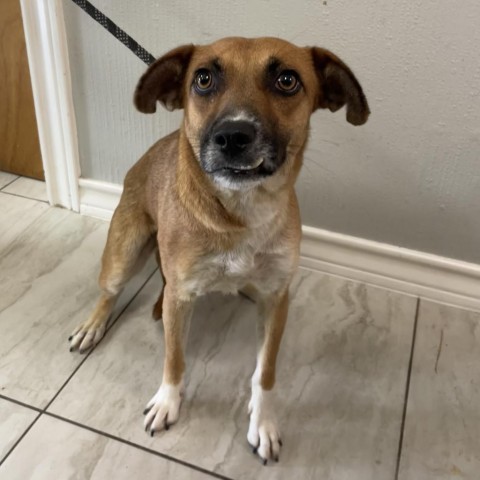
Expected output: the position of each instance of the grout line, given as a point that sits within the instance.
(108, 435)
(109, 327)
(104, 434)
(18, 402)
(8, 184)
(42, 411)
(407, 390)
(23, 196)
(138, 446)
(14, 446)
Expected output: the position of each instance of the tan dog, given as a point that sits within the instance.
(218, 196)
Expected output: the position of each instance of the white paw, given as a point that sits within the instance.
(86, 336)
(263, 434)
(163, 409)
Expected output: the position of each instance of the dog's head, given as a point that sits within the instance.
(248, 103)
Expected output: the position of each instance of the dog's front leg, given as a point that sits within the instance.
(263, 433)
(163, 409)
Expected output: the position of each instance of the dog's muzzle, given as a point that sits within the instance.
(239, 151)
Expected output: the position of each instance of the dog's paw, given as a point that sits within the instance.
(163, 409)
(263, 433)
(85, 336)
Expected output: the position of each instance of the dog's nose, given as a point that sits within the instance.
(233, 137)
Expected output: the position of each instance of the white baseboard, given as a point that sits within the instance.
(407, 271)
(98, 199)
(441, 279)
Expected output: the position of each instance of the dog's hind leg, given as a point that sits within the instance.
(131, 238)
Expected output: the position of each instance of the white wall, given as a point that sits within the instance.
(409, 177)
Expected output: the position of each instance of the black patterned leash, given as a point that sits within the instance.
(116, 31)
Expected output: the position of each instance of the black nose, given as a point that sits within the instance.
(233, 137)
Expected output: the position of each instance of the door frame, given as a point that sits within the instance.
(47, 52)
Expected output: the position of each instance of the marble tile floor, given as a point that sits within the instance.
(371, 384)
(23, 187)
(7, 179)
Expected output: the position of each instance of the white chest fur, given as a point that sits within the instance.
(229, 272)
(257, 260)
(263, 258)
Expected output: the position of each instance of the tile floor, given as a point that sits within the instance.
(372, 384)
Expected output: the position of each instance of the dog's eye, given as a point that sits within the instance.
(203, 81)
(288, 82)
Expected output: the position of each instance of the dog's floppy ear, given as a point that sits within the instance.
(163, 81)
(338, 86)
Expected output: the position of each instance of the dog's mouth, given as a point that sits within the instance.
(252, 169)
(247, 168)
(240, 173)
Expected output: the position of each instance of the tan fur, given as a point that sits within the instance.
(210, 237)
(274, 316)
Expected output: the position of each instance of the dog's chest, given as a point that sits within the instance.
(267, 269)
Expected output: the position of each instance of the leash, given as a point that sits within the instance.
(116, 31)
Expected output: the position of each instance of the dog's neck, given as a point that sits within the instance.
(192, 183)
(256, 206)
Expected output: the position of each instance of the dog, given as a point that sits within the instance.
(216, 199)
